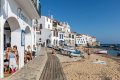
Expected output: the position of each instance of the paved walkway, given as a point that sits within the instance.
(52, 69)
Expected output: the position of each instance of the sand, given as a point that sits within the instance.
(77, 68)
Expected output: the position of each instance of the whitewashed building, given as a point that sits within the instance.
(72, 38)
(52, 31)
(61, 34)
(82, 39)
(55, 34)
(45, 31)
(16, 26)
(67, 32)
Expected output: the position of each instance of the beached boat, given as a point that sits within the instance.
(70, 52)
(102, 52)
(74, 52)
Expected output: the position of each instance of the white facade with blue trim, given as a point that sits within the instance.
(16, 27)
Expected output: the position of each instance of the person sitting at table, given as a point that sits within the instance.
(26, 57)
(6, 60)
(29, 53)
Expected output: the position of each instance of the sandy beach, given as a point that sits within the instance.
(77, 68)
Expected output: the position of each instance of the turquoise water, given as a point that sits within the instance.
(112, 51)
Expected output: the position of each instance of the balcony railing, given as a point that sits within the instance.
(37, 6)
(34, 3)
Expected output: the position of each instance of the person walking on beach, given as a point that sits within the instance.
(88, 53)
(53, 51)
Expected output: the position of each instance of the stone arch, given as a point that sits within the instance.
(48, 42)
(12, 26)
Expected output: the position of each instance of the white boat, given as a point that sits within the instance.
(71, 52)
(102, 52)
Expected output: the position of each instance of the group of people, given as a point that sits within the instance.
(29, 54)
(11, 59)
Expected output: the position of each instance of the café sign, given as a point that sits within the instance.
(21, 15)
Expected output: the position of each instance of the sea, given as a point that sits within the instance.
(113, 49)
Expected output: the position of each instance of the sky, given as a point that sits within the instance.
(99, 18)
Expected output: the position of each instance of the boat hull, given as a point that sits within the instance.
(101, 52)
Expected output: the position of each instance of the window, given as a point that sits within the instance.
(72, 36)
(69, 35)
(62, 36)
(39, 39)
(37, 28)
(40, 26)
(40, 33)
(56, 34)
(53, 33)
(48, 26)
(56, 42)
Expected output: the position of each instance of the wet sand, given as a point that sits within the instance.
(77, 68)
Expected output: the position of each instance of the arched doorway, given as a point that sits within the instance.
(7, 35)
(61, 43)
(12, 33)
(28, 37)
(12, 36)
(48, 42)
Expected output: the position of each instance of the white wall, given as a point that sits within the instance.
(28, 37)
(10, 9)
(45, 23)
(28, 40)
(84, 39)
(1, 46)
(45, 34)
(48, 23)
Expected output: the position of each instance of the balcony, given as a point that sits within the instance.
(31, 7)
(37, 5)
